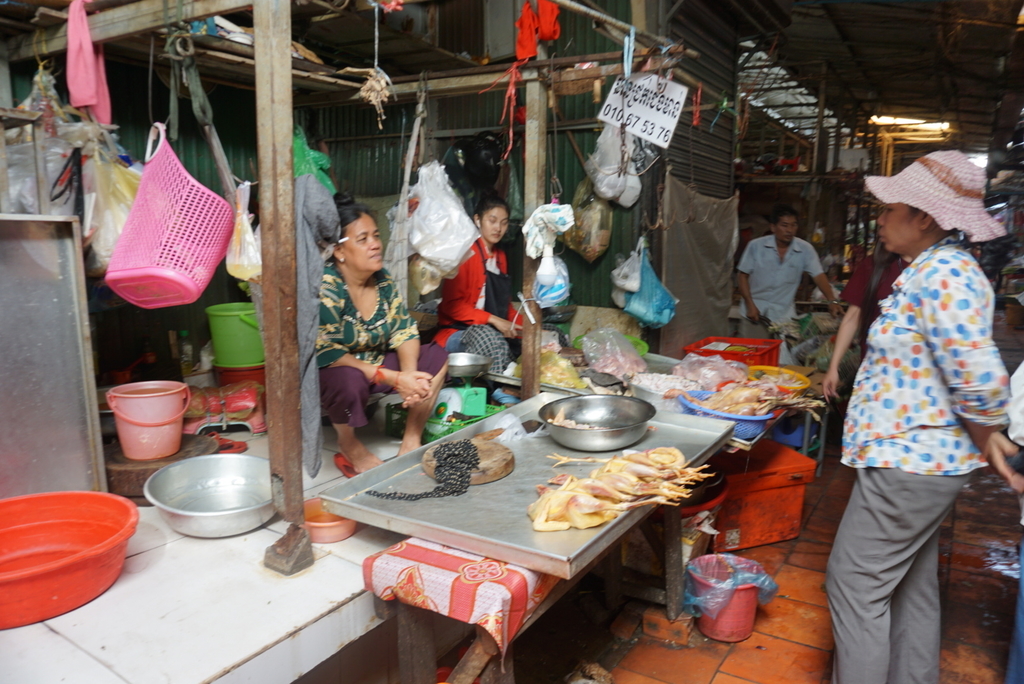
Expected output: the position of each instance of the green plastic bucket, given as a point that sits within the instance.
(236, 335)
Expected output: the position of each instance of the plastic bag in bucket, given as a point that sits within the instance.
(712, 580)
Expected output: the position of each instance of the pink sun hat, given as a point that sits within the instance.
(949, 187)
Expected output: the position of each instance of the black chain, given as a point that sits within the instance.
(456, 462)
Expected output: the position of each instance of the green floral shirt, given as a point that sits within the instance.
(344, 331)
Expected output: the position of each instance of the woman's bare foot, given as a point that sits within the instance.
(361, 458)
(409, 444)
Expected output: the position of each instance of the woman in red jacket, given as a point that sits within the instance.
(476, 313)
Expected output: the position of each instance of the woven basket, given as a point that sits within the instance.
(747, 427)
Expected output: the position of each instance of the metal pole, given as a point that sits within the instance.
(273, 32)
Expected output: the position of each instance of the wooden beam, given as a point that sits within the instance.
(273, 30)
(139, 17)
(534, 172)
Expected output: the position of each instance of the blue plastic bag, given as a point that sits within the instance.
(653, 305)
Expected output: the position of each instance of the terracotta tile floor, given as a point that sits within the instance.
(792, 638)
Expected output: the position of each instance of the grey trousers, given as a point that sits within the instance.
(753, 331)
(883, 587)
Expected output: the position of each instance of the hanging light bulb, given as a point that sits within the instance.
(546, 272)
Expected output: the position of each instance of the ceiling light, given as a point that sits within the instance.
(919, 124)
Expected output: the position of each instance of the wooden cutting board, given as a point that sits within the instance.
(127, 477)
(496, 460)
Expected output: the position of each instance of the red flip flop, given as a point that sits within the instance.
(227, 446)
(344, 465)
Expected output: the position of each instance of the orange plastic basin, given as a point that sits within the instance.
(60, 550)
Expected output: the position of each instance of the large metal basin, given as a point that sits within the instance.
(213, 496)
(622, 421)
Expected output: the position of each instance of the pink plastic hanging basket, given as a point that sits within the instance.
(176, 233)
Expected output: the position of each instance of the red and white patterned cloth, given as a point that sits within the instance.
(470, 588)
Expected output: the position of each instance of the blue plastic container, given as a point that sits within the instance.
(790, 431)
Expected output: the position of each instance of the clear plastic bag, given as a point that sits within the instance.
(608, 351)
(243, 260)
(423, 275)
(110, 189)
(440, 231)
(611, 167)
(549, 295)
(711, 581)
(710, 371)
(555, 370)
(513, 429)
(590, 236)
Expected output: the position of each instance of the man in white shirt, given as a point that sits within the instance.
(770, 272)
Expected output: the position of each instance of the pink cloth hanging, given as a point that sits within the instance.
(87, 70)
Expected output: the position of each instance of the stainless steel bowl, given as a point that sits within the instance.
(213, 496)
(463, 365)
(622, 421)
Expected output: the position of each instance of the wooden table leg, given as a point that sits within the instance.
(675, 573)
(494, 673)
(417, 660)
(480, 653)
(613, 577)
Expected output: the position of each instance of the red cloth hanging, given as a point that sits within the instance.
(547, 13)
(526, 41)
(87, 71)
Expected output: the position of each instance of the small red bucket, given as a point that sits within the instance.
(735, 621)
(229, 376)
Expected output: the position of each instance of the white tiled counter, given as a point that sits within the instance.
(190, 611)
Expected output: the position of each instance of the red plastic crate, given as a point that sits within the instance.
(762, 352)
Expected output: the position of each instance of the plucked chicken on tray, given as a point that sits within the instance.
(491, 519)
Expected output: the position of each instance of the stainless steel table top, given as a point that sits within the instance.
(491, 519)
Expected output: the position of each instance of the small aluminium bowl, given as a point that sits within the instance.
(620, 421)
(219, 495)
(324, 527)
(466, 365)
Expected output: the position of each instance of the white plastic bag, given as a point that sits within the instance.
(710, 371)
(611, 167)
(627, 275)
(244, 260)
(440, 231)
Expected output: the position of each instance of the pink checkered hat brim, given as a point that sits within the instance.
(946, 185)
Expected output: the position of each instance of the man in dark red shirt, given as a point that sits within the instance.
(877, 274)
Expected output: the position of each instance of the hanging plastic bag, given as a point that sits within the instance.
(110, 189)
(440, 231)
(626, 275)
(611, 167)
(423, 275)
(712, 579)
(244, 261)
(308, 160)
(652, 304)
(549, 295)
(590, 236)
(608, 351)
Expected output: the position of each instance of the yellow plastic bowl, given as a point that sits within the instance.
(797, 389)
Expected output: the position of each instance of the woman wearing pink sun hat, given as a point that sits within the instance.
(930, 393)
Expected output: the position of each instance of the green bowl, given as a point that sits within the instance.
(641, 347)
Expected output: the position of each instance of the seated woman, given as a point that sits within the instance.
(476, 313)
(368, 342)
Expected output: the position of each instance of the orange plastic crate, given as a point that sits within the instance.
(762, 352)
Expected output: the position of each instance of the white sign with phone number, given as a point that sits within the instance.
(647, 105)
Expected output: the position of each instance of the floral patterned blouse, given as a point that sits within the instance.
(344, 331)
(930, 362)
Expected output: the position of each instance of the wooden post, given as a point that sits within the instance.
(533, 196)
(417, 660)
(273, 33)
